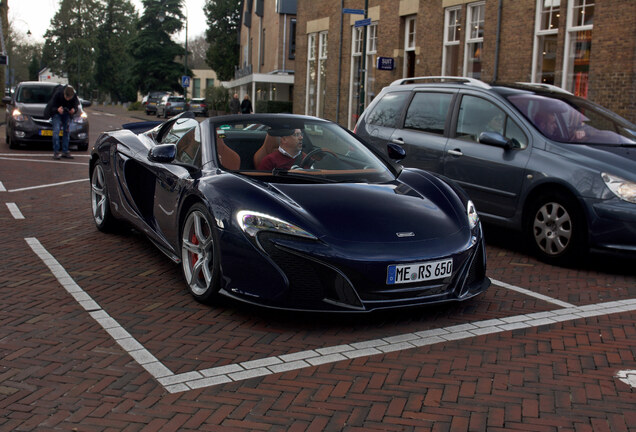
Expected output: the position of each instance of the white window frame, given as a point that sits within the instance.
(322, 62)
(311, 57)
(409, 42)
(357, 35)
(540, 32)
(456, 12)
(470, 40)
(571, 30)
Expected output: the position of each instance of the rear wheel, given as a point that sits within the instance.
(199, 254)
(555, 228)
(100, 203)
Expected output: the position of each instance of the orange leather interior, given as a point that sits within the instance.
(269, 145)
(228, 158)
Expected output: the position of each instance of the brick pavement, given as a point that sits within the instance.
(60, 370)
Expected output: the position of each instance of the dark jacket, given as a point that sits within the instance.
(58, 100)
(246, 106)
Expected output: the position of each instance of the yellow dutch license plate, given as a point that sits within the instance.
(49, 133)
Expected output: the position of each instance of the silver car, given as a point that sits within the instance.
(170, 105)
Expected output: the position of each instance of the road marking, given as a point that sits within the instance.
(185, 381)
(15, 211)
(43, 161)
(2, 189)
(533, 294)
(628, 377)
(48, 155)
(48, 185)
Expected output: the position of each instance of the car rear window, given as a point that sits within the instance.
(388, 110)
(175, 99)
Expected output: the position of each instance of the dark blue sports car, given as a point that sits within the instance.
(289, 212)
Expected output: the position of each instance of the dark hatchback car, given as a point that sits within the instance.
(534, 158)
(151, 101)
(26, 122)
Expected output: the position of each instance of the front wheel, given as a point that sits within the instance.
(199, 254)
(104, 220)
(555, 228)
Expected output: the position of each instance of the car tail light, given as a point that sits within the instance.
(168, 104)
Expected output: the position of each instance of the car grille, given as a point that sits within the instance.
(42, 122)
(311, 282)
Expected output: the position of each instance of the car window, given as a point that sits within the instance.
(428, 112)
(186, 134)
(477, 115)
(388, 110)
(35, 94)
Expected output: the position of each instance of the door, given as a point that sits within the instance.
(492, 175)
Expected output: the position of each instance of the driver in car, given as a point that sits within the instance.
(289, 152)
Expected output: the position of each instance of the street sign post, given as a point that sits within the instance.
(185, 81)
(353, 11)
(363, 22)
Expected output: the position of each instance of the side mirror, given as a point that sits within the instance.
(498, 140)
(86, 102)
(163, 153)
(395, 152)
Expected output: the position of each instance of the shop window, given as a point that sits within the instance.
(545, 41)
(578, 46)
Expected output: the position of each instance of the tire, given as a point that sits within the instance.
(199, 254)
(555, 228)
(100, 203)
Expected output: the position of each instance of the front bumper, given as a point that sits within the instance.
(612, 226)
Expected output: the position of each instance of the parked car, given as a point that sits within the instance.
(198, 106)
(312, 237)
(26, 122)
(170, 105)
(151, 101)
(534, 158)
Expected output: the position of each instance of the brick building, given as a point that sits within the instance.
(268, 51)
(585, 46)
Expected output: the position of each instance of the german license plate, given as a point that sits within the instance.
(418, 272)
(47, 132)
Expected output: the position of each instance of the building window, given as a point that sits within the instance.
(292, 39)
(360, 74)
(322, 75)
(310, 101)
(545, 41)
(578, 46)
(209, 83)
(196, 87)
(409, 47)
(474, 40)
(452, 33)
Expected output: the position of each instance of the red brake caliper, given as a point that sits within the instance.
(193, 257)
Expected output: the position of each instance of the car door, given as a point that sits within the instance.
(384, 117)
(492, 175)
(173, 179)
(423, 133)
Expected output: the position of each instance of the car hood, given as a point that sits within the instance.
(613, 158)
(377, 213)
(35, 110)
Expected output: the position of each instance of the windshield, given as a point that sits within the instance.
(574, 120)
(296, 149)
(35, 94)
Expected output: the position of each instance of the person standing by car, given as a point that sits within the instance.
(235, 104)
(61, 108)
(246, 105)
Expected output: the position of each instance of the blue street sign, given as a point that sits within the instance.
(362, 23)
(185, 81)
(385, 63)
(353, 11)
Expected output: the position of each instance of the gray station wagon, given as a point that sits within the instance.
(531, 157)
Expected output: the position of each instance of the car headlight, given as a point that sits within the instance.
(471, 212)
(622, 188)
(18, 116)
(82, 118)
(254, 222)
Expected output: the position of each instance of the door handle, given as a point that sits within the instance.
(455, 152)
(398, 141)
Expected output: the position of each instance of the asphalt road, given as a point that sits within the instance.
(98, 333)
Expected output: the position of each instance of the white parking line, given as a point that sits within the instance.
(2, 189)
(43, 161)
(48, 185)
(185, 381)
(15, 211)
(628, 377)
(533, 294)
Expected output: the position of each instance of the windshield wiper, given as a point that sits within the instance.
(280, 172)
